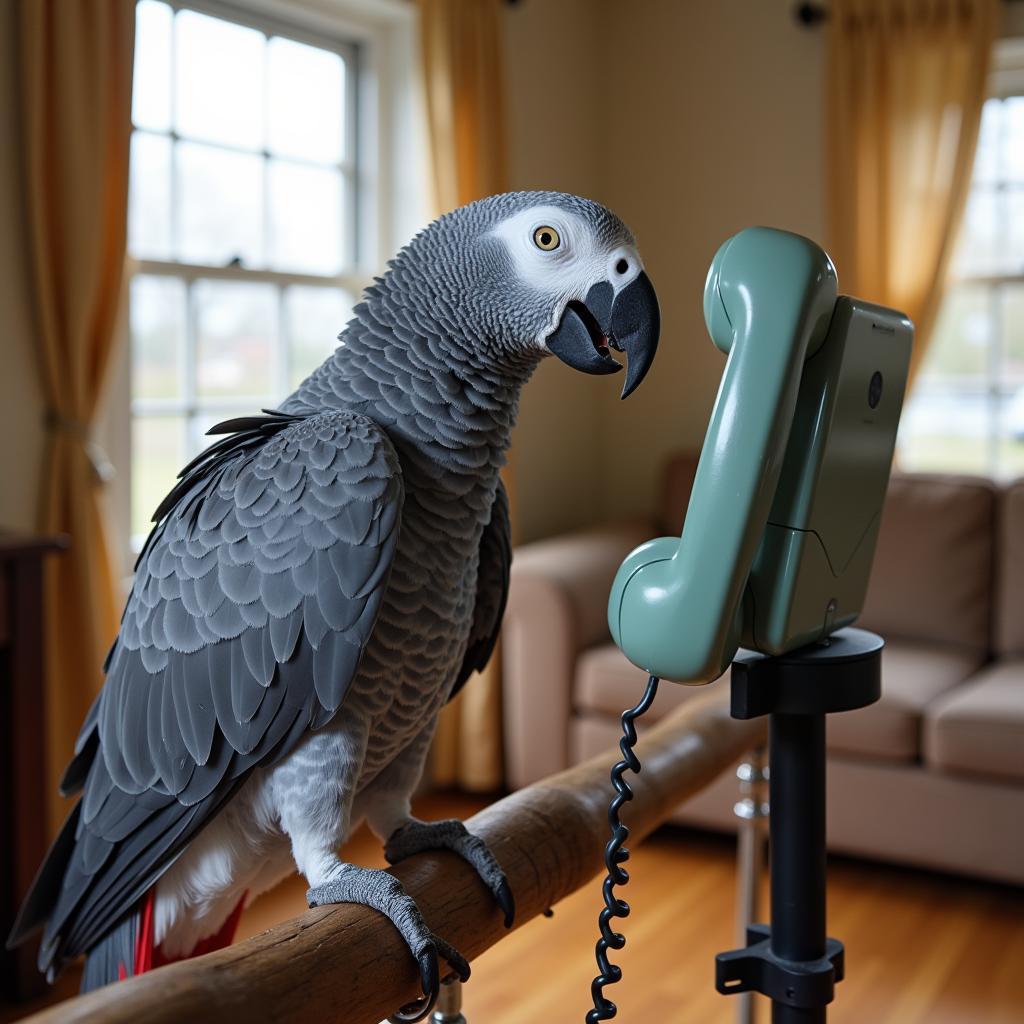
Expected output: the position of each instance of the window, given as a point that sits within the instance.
(243, 224)
(966, 413)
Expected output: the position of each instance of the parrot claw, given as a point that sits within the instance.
(452, 834)
(506, 901)
(430, 979)
(431, 982)
(382, 891)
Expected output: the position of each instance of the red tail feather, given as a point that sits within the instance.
(147, 957)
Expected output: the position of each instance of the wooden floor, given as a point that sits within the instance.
(920, 948)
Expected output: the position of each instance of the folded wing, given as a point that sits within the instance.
(252, 603)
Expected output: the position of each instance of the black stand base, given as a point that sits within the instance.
(793, 962)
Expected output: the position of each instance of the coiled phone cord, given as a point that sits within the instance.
(614, 856)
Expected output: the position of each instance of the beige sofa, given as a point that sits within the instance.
(932, 775)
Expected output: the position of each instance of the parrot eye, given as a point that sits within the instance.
(546, 238)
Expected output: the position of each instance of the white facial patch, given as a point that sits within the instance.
(573, 267)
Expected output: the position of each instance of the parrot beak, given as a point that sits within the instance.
(629, 322)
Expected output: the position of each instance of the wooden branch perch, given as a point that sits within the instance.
(348, 963)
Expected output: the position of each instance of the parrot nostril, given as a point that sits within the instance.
(622, 266)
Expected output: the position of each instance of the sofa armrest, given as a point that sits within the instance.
(557, 607)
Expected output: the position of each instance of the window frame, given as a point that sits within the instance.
(386, 204)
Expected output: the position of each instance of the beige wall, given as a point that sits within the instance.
(21, 404)
(720, 131)
(691, 120)
(555, 137)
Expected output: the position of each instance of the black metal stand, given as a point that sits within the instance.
(792, 961)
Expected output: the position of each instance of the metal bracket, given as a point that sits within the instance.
(755, 968)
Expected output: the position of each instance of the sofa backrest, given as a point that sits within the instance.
(1009, 638)
(933, 573)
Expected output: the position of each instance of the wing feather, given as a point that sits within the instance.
(254, 597)
(491, 589)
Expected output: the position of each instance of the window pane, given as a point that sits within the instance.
(151, 84)
(1012, 326)
(219, 80)
(978, 249)
(157, 313)
(236, 330)
(315, 317)
(1013, 112)
(1013, 255)
(149, 197)
(940, 431)
(305, 99)
(961, 344)
(221, 205)
(305, 218)
(157, 456)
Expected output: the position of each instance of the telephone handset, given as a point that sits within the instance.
(783, 517)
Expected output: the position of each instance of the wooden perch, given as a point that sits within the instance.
(348, 963)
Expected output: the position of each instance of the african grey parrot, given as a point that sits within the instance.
(318, 584)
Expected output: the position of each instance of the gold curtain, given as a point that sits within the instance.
(464, 93)
(906, 84)
(75, 75)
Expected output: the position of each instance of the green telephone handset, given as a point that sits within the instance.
(781, 527)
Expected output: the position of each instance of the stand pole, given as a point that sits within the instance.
(797, 829)
(793, 962)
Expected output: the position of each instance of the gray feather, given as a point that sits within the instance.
(246, 693)
(333, 668)
(284, 633)
(259, 655)
(193, 706)
(212, 673)
(491, 589)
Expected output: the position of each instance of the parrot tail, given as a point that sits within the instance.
(105, 962)
(128, 948)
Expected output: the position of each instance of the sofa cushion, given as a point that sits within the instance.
(978, 728)
(933, 568)
(1010, 572)
(608, 683)
(913, 675)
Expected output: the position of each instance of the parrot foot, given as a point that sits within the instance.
(382, 891)
(417, 836)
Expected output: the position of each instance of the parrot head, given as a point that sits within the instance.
(527, 274)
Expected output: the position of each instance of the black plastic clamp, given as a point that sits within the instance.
(755, 968)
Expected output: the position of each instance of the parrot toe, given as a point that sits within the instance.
(380, 890)
(452, 834)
